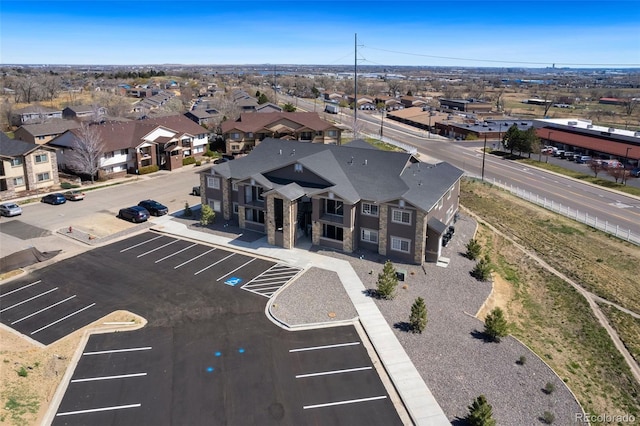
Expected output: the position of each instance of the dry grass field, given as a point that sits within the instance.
(547, 313)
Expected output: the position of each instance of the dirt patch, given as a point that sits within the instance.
(30, 373)
(101, 224)
(501, 295)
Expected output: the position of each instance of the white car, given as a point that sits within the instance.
(10, 209)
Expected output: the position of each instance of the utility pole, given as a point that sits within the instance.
(355, 95)
(624, 166)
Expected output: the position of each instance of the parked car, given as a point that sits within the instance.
(10, 209)
(195, 191)
(154, 207)
(54, 199)
(558, 153)
(583, 159)
(135, 214)
(74, 195)
(635, 172)
(220, 160)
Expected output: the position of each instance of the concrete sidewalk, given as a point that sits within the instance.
(416, 396)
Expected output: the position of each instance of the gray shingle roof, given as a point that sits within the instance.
(11, 148)
(52, 127)
(354, 173)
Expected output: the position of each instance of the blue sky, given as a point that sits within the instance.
(578, 33)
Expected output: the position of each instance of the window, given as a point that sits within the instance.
(213, 182)
(41, 177)
(41, 158)
(369, 235)
(124, 151)
(215, 205)
(440, 203)
(370, 209)
(235, 207)
(198, 149)
(400, 244)
(254, 215)
(234, 186)
(449, 194)
(250, 135)
(401, 216)
(297, 167)
(332, 232)
(235, 136)
(235, 147)
(332, 133)
(18, 181)
(333, 207)
(108, 154)
(16, 162)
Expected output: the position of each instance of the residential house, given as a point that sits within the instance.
(33, 114)
(268, 107)
(390, 103)
(365, 103)
(84, 112)
(413, 101)
(43, 133)
(243, 134)
(203, 116)
(129, 146)
(347, 198)
(25, 167)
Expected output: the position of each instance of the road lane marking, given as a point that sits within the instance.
(21, 288)
(178, 252)
(115, 351)
(314, 348)
(43, 309)
(327, 373)
(214, 264)
(96, 410)
(28, 300)
(197, 257)
(139, 244)
(349, 401)
(121, 376)
(62, 319)
(239, 267)
(158, 248)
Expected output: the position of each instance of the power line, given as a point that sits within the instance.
(496, 61)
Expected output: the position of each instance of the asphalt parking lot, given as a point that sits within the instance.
(208, 354)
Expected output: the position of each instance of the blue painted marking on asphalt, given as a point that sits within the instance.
(233, 281)
(241, 350)
(218, 353)
(210, 369)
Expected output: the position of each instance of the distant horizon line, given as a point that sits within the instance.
(609, 67)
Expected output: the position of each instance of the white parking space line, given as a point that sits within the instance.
(178, 252)
(192, 259)
(96, 410)
(28, 300)
(62, 319)
(140, 244)
(115, 351)
(18, 289)
(121, 376)
(43, 309)
(158, 248)
(327, 373)
(239, 267)
(213, 264)
(349, 401)
(315, 348)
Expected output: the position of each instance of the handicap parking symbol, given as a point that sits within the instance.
(233, 281)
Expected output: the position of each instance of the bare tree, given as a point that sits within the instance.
(86, 152)
(51, 85)
(596, 167)
(357, 127)
(618, 173)
(28, 88)
(6, 110)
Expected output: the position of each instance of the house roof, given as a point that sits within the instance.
(11, 148)
(52, 127)
(353, 173)
(36, 109)
(250, 122)
(129, 134)
(80, 109)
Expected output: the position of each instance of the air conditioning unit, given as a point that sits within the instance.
(573, 123)
(611, 130)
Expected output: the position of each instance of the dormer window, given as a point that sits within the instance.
(297, 168)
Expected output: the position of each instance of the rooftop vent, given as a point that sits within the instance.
(365, 162)
(589, 126)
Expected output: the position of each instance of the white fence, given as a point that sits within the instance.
(583, 217)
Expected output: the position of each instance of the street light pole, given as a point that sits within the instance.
(381, 122)
(549, 141)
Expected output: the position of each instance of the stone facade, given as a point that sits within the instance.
(316, 232)
(421, 237)
(226, 199)
(382, 230)
(241, 221)
(270, 222)
(288, 227)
